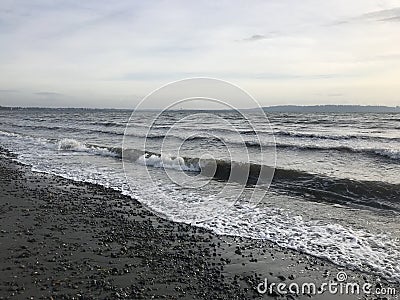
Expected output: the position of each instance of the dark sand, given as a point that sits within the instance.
(61, 239)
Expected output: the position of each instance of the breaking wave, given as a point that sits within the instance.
(320, 188)
(74, 145)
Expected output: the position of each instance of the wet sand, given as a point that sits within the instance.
(61, 239)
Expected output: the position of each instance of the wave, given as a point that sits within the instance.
(7, 133)
(348, 192)
(333, 136)
(318, 136)
(381, 152)
(108, 124)
(72, 145)
(189, 138)
(47, 127)
(167, 162)
(391, 119)
(320, 188)
(391, 153)
(76, 146)
(69, 129)
(386, 153)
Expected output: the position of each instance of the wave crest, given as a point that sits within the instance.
(168, 162)
(77, 146)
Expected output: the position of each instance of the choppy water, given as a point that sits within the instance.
(335, 193)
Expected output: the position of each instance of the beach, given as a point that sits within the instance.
(69, 240)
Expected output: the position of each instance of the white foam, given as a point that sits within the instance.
(71, 144)
(356, 249)
(11, 134)
(77, 146)
(167, 162)
(341, 245)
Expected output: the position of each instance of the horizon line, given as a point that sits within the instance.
(158, 109)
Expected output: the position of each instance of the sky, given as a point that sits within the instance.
(113, 53)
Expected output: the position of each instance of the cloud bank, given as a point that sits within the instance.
(100, 54)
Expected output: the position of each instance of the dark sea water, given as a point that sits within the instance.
(335, 192)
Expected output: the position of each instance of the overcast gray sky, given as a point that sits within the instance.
(112, 53)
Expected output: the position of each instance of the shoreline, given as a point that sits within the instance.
(62, 239)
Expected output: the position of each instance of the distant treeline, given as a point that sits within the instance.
(333, 109)
(278, 108)
(56, 108)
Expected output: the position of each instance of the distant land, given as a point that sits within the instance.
(277, 108)
(333, 109)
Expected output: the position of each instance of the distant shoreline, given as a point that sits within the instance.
(333, 109)
(278, 108)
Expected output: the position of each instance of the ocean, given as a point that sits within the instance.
(332, 187)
